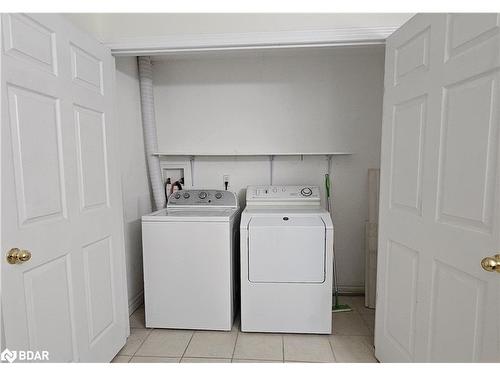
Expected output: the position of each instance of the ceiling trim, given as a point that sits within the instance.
(172, 44)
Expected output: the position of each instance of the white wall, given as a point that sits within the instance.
(265, 102)
(343, 88)
(135, 186)
(112, 26)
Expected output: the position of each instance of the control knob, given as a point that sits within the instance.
(306, 192)
(177, 195)
(202, 195)
(218, 195)
(186, 195)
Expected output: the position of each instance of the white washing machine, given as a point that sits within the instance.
(286, 261)
(190, 260)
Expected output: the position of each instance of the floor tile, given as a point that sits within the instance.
(145, 359)
(369, 320)
(307, 348)
(298, 362)
(357, 303)
(259, 346)
(349, 323)
(121, 359)
(366, 311)
(205, 360)
(235, 360)
(353, 348)
(137, 319)
(134, 341)
(212, 344)
(165, 343)
(370, 342)
(236, 324)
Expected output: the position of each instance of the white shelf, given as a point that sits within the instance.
(328, 153)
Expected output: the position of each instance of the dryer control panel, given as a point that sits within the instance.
(273, 194)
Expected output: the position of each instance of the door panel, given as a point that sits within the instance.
(99, 290)
(468, 152)
(86, 69)
(439, 210)
(92, 161)
(401, 297)
(27, 39)
(37, 142)
(464, 31)
(286, 250)
(412, 57)
(50, 308)
(463, 328)
(407, 152)
(61, 196)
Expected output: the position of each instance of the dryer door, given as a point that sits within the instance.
(286, 249)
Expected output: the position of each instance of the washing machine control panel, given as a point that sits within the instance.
(208, 197)
(274, 193)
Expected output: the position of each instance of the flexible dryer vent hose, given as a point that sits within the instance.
(149, 129)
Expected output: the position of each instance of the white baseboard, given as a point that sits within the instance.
(135, 302)
(349, 289)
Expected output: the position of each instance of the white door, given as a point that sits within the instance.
(61, 195)
(286, 251)
(440, 192)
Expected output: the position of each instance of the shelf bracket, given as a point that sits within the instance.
(191, 162)
(329, 163)
(271, 160)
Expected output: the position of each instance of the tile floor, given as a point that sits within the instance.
(351, 341)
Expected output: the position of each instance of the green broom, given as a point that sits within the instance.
(336, 306)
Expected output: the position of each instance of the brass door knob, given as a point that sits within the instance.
(491, 264)
(16, 256)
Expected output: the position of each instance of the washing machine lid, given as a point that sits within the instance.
(194, 215)
(286, 249)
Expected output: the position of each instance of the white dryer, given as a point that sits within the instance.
(286, 242)
(190, 261)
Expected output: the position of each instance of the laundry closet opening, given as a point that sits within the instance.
(250, 117)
